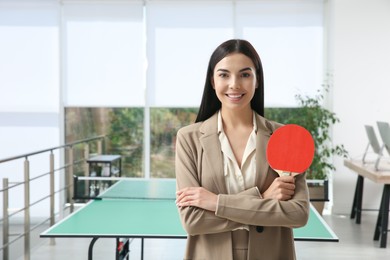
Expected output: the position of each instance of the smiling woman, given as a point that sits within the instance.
(227, 194)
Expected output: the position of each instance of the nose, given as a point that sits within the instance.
(234, 83)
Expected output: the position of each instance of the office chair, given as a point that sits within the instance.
(384, 131)
(374, 143)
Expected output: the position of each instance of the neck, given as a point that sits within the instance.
(236, 118)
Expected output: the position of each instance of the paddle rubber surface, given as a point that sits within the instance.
(290, 150)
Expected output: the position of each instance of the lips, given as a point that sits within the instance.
(234, 96)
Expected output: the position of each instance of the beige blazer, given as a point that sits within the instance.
(199, 162)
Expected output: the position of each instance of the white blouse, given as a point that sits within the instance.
(238, 178)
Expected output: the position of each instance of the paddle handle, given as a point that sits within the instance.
(284, 173)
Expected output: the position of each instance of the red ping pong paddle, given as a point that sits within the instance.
(290, 150)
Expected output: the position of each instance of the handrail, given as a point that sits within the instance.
(53, 148)
(65, 167)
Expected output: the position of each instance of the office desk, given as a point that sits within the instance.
(140, 208)
(368, 171)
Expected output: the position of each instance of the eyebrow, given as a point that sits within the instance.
(244, 69)
(241, 70)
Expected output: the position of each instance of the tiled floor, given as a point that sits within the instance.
(356, 242)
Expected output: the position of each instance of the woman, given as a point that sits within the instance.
(231, 203)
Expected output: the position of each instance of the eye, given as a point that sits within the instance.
(223, 75)
(245, 75)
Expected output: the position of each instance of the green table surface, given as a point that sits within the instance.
(151, 214)
(142, 189)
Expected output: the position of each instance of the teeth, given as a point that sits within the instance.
(235, 96)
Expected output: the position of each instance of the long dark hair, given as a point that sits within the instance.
(210, 102)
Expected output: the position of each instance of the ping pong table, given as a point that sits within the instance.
(145, 208)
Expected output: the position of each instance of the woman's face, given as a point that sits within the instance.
(234, 81)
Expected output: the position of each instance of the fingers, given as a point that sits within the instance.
(186, 196)
(283, 184)
(288, 179)
(282, 188)
(196, 196)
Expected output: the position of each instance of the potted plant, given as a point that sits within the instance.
(318, 120)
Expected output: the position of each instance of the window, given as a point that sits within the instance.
(144, 65)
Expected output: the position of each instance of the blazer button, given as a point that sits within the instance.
(260, 229)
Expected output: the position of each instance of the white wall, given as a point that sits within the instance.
(359, 59)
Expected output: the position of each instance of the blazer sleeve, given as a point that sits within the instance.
(252, 210)
(196, 220)
(234, 210)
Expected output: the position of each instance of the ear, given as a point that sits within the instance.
(212, 82)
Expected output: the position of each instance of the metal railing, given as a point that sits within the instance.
(70, 161)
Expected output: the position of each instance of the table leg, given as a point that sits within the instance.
(142, 248)
(383, 217)
(90, 249)
(358, 200)
(377, 232)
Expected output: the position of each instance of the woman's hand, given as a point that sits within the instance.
(197, 197)
(282, 188)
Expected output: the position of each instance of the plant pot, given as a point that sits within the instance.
(318, 191)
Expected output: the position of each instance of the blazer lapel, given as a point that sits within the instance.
(263, 135)
(212, 152)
